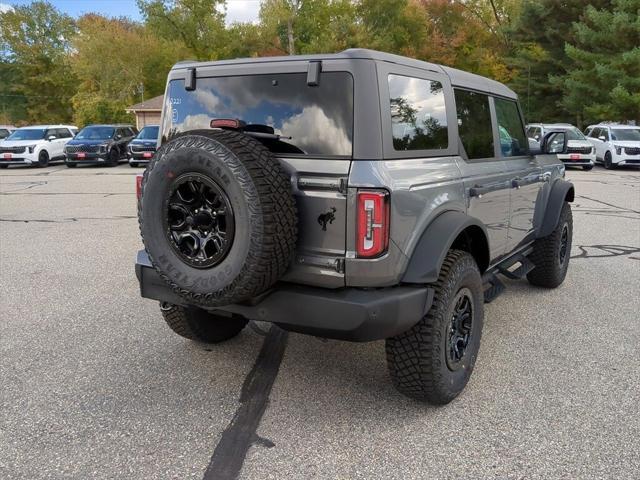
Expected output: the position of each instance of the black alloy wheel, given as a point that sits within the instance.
(199, 221)
(459, 329)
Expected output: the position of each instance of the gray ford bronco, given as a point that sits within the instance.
(357, 196)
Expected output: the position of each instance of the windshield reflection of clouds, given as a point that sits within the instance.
(319, 120)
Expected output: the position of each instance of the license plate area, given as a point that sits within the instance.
(7, 156)
(574, 156)
(81, 155)
(147, 155)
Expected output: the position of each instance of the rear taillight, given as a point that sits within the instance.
(139, 186)
(373, 223)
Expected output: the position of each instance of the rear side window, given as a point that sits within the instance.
(418, 114)
(312, 120)
(474, 124)
(513, 142)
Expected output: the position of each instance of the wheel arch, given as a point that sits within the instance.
(451, 229)
(561, 191)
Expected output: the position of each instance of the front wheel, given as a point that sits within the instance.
(608, 164)
(114, 157)
(433, 361)
(551, 254)
(197, 324)
(43, 159)
(71, 165)
(586, 168)
(133, 164)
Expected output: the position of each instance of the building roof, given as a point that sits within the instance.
(152, 105)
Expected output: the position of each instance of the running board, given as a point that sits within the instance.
(492, 284)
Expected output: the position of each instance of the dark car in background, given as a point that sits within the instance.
(99, 144)
(142, 148)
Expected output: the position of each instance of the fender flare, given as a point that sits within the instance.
(561, 190)
(436, 240)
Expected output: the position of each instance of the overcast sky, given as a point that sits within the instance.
(237, 10)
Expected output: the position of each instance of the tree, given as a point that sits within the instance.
(34, 48)
(395, 26)
(117, 61)
(198, 24)
(604, 80)
(479, 47)
(307, 26)
(539, 35)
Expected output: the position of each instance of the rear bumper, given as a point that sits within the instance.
(352, 314)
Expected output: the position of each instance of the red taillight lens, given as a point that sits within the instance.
(372, 237)
(139, 186)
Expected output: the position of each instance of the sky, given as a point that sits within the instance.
(237, 10)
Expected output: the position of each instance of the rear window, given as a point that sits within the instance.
(311, 120)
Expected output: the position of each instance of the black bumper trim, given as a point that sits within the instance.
(352, 314)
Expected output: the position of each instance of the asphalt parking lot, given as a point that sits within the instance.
(94, 385)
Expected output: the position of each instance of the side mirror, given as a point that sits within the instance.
(602, 137)
(537, 137)
(118, 137)
(51, 137)
(554, 143)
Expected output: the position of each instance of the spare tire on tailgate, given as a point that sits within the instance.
(217, 217)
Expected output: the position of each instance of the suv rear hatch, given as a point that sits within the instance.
(306, 120)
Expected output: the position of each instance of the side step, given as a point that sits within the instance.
(493, 286)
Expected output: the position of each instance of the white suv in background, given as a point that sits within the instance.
(615, 144)
(36, 145)
(580, 152)
(6, 130)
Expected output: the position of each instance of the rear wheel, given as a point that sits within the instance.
(197, 324)
(551, 254)
(433, 361)
(43, 159)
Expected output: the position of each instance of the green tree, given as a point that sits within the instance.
(307, 26)
(198, 24)
(604, 80)
(118, 61)
(539, 34)
(34, 49)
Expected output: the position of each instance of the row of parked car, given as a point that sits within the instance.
(611, 144)
(93, 145)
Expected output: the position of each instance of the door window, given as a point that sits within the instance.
(513, 142)
(604, 133)
(418, 114)
(474, 124)
(63, 133)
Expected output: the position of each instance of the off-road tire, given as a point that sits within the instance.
(586, 168)
(608, 164)
(264, 208)
(417, 358)
(43, 159)
(549, 271)
(200, 325)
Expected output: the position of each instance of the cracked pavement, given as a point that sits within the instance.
(94, 385)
